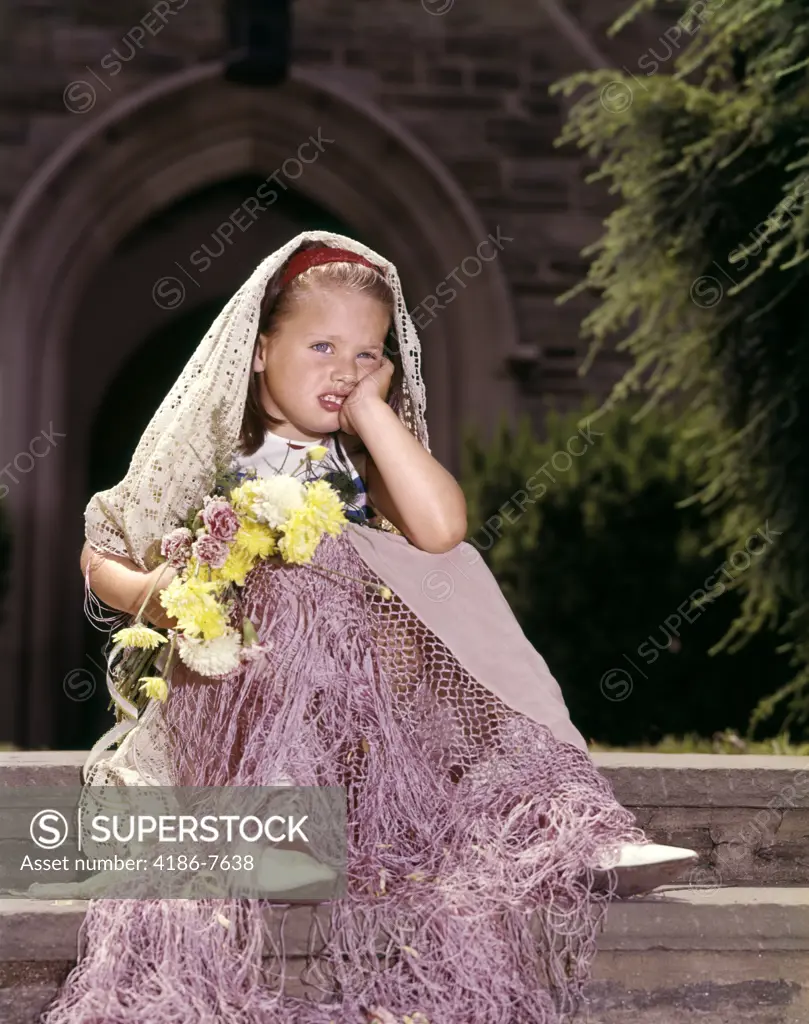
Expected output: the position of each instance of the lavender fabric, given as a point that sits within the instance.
(458, 598)
(473, 828)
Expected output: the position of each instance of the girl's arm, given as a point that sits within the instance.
(119, 583)
(406, 484)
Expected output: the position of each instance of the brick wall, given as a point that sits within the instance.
(470, 83)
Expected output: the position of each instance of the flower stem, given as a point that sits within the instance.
(336, 572)
(167, 669)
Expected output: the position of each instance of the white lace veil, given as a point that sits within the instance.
(199, 421)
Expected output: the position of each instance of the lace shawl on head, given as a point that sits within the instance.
(198, 424)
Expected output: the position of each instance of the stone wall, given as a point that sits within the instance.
(471, 83)
(466, 79)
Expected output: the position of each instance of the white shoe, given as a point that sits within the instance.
(643, 866)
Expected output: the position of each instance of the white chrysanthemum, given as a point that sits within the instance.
(276, 498)
(210, 657)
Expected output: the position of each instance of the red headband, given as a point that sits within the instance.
(317, 257)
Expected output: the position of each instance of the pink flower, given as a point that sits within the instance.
(211, 550)
(176, 546)
(221, 520)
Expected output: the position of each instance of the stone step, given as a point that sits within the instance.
(684, 954)
(746, 815)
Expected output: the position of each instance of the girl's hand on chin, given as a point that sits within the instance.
(371, 388)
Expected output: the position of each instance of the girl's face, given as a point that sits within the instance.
(329, 341)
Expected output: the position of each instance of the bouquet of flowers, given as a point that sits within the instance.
(238, 525)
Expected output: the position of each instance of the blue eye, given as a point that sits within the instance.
(370, 355)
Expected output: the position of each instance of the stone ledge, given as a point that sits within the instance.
(639, 780)
(706, 780)
(648, 988)
(736, 845)
(729, 918)
(664, 987)
(754, 920)
(747, 816)
(41, 767)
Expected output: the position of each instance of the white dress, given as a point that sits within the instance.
(279, 454)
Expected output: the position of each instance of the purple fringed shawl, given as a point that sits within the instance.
(475, 814)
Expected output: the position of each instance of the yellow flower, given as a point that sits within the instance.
(239, 563)
(139, 636)
(300, 537)
(154, 686)
(194, 605)
(257, 539)
(385, 592)
(243, 496)
(209, 622)
(303, 530)
(317, 453)
(325, 507)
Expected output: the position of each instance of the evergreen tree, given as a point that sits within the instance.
(701, 275)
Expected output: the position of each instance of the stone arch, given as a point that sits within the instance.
(138, 157)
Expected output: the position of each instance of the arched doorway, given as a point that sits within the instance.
(115, 174)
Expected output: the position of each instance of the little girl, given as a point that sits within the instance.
(482, 843)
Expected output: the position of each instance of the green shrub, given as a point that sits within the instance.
(594, 556)
(701, 274)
